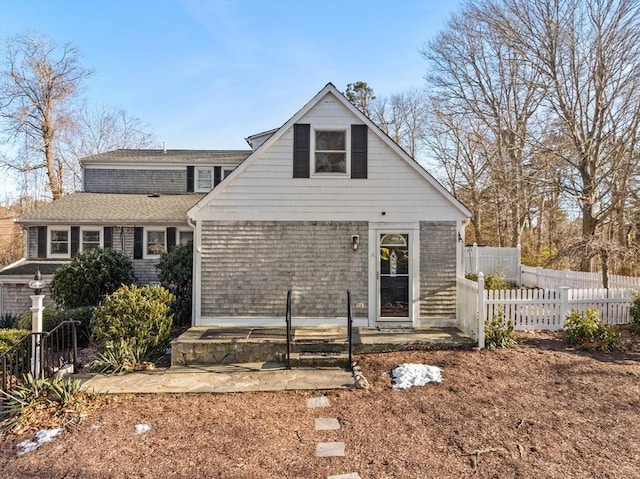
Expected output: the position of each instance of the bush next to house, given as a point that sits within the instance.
(586, 331)
(498, 333)
(9, 337)
(175, 271)
(90, 277)
(53, 317)
(131, 326)
(635, 313)
(491, 281)
(8, 320)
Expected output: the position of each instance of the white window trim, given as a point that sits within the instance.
(145, 242)
(196, 187)
(50, 229)
(347, 146)
(90, 228)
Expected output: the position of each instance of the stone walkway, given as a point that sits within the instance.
(329, 449)
(228, 378)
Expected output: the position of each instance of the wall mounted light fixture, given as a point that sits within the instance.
(355, 241)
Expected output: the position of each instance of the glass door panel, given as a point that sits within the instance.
(394, 275)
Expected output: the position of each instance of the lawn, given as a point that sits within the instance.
(540, 409)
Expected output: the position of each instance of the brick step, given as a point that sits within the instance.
(319, 360)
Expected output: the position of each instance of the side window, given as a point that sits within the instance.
(204, 180)
(90, 239)
(185, 236)
(59, 239)
(155, 242)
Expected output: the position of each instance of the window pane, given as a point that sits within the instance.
(204, 179)
(90, 240)
(59, 242)
(186, 236)
(59, 236)
(330, 140)
(155, 242)
(331, 163)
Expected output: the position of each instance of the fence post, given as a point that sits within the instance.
(474, 258)
(564, 305)
(519, 273)
(481, 310)
(538, 274)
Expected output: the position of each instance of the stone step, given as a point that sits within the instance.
(319, 360)
(318, 347)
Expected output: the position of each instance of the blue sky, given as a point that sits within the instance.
(205, 74)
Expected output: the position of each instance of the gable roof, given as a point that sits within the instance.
(330, 88)
(112, 209)
(152, 157)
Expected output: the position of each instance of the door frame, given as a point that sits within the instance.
(375, 230)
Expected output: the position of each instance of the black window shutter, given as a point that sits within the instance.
(107, 237)
(75, 240)
(190, 175)
(359, 135)
(171, 238)
(42, 241)
(301, 150)
(217, 175)
(137, 242)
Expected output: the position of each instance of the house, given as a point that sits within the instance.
(134, 201)
(324, 204)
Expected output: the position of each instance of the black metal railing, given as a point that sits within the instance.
(350, 329)
(289, 329)
(56, 352)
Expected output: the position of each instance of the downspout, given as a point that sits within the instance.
(195, 281)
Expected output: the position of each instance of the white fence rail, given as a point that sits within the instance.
(489, 260)
(533, 309)
(552, 278)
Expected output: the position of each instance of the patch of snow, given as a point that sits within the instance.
(142, 428)
(40, 437)
(407, 375)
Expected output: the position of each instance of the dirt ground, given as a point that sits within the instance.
(538, 410)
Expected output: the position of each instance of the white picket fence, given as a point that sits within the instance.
(534, 309)
(490, 259)
(552, 278)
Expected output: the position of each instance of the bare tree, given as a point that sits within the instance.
(588, 54)
(474, 73)
(40, 82)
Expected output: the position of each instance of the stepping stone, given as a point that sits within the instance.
(327, 424)
(351, 475)
(322, 401)
(330, 449)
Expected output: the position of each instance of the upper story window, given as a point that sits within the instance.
(204, 179)
(330, 151)
(90, 239)
(155, 241)
(59, 242)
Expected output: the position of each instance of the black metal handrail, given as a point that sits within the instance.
(350, 329)
(56, 349)
(288, 321)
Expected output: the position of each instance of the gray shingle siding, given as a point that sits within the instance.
(438, 269)
(133, 181)
(16, 298)
(248, 267)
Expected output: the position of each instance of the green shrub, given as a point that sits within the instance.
(587, 332)
(135, 318)
(9, 337)
(175, 271)
(121, 356)
(50, 320)
(53, 397)
(635, 313)
(491, 281)
(498, 333)
(90, 277)
(8, 320)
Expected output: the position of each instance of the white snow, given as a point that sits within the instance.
(407, 375)
(40, 437)
(142, 428)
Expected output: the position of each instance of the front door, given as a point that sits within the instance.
(394, 277)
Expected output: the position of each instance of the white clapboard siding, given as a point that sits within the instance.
(266, 190)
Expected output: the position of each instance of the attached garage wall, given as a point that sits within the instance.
(248, 267)
(438, 243)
